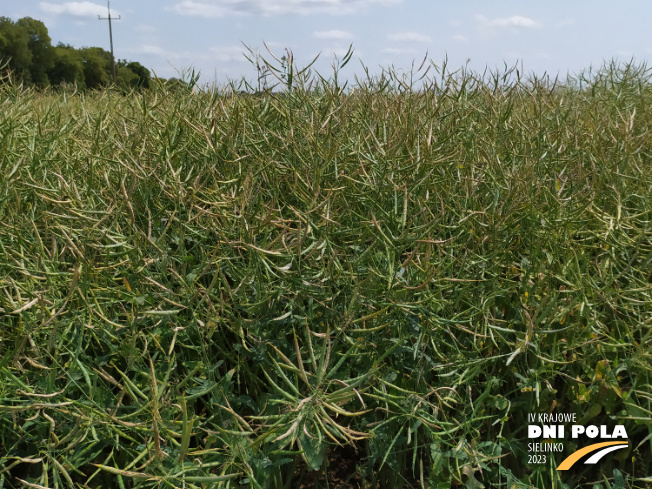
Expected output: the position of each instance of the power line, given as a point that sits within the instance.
(109, 18)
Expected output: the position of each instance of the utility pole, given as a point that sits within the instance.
(109, 18)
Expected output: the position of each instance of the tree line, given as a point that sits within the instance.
(26, 50)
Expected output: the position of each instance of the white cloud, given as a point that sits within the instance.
(150, 49)
(460, 38)
(409, 37)
(225, 54)
(220, 54)
(333, 34)
(200, 9)
(222, 8)
(336, 51)
(514, 21)
(77, 9)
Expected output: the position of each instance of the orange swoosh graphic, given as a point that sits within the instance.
(574, 457)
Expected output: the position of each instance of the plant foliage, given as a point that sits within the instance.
(202, 288)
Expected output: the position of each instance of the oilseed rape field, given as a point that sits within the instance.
(374, 285)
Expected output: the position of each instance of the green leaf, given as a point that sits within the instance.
(619, 480)
(314, 449)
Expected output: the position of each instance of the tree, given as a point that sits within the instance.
(68, 66)
(142, 72)
(174, 84)
(40, 45)
(126, 79)
(97, 67)
(14, 48)
(26, 50)
(132, 75)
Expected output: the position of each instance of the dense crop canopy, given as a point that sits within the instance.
(381, 283)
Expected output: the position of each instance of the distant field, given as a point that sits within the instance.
(325, 288)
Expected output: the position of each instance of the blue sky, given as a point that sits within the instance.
(169, 36)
